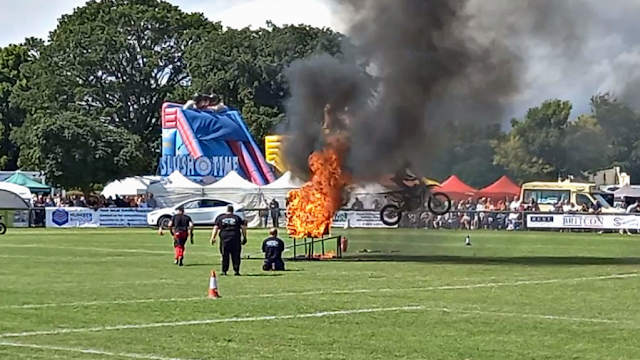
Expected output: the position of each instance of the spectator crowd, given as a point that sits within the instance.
(506, 214)
(94, 202)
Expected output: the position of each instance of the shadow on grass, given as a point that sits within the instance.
(488, 260)
(189, 265)
(266, 274)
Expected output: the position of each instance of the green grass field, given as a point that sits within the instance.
(98, 294)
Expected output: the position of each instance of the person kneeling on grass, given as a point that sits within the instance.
(181, 227)
(273, 247)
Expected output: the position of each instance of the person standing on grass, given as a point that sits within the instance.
(231, 229)
(181, 227)
(273, 247)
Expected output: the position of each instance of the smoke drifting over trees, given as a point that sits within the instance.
(442, 61)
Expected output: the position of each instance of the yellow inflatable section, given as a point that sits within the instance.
(273, 155)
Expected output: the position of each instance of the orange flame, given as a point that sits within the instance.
(327, 256)
(312, 207)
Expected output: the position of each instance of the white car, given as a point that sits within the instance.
(203, 211)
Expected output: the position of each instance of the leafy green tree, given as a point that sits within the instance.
(467, 153)
(621, 126)
(246, 67)
(74, 150)
(534, 149)
(586, 145)
(12, 58)
(116, 60)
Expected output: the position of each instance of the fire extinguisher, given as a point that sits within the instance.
(344, 244)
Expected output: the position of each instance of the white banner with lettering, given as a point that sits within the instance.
(123, 217)
(583, 221)
(71, 217)
(359, 219)
(107, 217)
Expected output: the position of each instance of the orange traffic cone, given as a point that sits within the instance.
(213, 286)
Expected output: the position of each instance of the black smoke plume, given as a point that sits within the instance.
(434, 62)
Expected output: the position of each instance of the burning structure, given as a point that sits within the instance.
(311, 208)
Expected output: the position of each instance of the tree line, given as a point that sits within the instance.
(84, 105)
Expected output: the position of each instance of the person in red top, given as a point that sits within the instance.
(181, 227)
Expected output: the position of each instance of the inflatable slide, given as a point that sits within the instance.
(205, 146)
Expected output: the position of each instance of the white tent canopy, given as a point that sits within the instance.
(232, 181)
(20, 190)
(627, 191)
(369, 195)
(235, 188)
(278, 189)
(178, 181)
(12, 201)
(174, 189)
(286, 181)
(130, 186)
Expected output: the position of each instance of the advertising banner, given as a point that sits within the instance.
(583, 221)
(71, 217)
(123, 217)
(359, 219)
(20, 218)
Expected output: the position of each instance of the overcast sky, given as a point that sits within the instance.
(26, 18)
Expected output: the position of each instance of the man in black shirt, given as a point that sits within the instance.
(181, 227)
(274, 207)
(231, 228)
(273, 247)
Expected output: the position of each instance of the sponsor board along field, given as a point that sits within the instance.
(414, 294)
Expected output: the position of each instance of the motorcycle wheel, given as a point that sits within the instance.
(390, 215)
(439, 203)
(3, 229)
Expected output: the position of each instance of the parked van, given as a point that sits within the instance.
(548, 194)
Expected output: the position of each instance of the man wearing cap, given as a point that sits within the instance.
(181, 227)
(231, 229)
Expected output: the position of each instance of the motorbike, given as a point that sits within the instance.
(413, 199)
(3, 227)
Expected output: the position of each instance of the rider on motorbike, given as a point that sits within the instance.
(410, 184)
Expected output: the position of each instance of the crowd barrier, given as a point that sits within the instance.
(131, 217)
(104, 217)
(583, 221)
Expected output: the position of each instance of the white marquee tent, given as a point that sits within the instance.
(278, 189)
(174, 189)
(234, 187)
(12, 201)
(20, 190)
(131, 186)
(627, 191)
(370, 195)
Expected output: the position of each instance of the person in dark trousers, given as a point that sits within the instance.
(275, 212)
(231, 229)
(273, 247)
(181, 227)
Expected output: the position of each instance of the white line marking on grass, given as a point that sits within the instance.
(89, 249)
(534, 316)
(290, 317)
(211, 321)
(86, 351)
(65, 258)
(324, 292)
